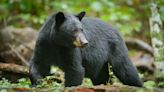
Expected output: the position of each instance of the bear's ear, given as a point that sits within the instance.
(60, 18)
(80, 15)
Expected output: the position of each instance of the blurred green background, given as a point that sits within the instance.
(129, 16)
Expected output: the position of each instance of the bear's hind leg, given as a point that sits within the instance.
(122, 66)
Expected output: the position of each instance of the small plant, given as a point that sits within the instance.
(149, 84)
(161, 84)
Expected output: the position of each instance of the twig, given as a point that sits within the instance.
(17, 40)
(24, 62)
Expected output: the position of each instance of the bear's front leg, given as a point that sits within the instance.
(74, 76)
(38, 70)
(72, 65)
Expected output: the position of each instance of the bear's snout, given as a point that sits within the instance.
(80, 41)
(84, 43)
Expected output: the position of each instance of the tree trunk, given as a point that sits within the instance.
(157, 35)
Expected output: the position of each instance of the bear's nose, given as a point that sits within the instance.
(84, 43)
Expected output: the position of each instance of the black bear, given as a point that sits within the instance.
(81, 47)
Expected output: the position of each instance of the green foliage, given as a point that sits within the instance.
(49, 82)
(123, 14)
(161, 8)
(149, 84)
(87, 82)
(21, 83)
(161, 84)
(5, 83)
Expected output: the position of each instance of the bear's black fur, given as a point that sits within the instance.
(60, 43)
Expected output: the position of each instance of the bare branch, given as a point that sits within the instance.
(24, 62)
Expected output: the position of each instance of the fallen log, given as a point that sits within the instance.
(15, 68)
(139, 45)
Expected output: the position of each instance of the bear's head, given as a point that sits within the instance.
(69, 30)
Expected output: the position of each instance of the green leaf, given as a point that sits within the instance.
(149, 84)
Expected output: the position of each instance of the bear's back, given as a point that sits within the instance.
(98, 28)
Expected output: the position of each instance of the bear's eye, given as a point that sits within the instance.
(78, 30)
